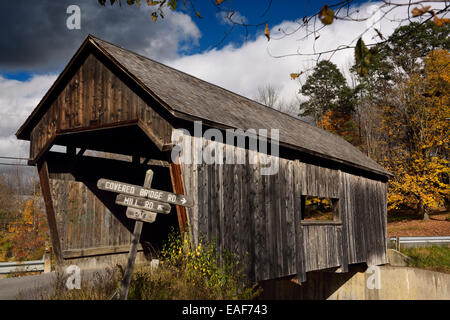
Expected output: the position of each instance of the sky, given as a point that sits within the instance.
(35, 46)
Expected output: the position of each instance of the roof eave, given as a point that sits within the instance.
(24, 132)
(382, 172)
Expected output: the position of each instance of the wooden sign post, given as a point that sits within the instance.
(134, 244)
(143, 204)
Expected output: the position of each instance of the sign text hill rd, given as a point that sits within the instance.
(138, 191)
(144, 204)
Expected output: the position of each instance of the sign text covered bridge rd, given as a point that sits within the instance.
(138, 191)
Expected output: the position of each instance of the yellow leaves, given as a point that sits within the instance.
(417, 159)
(267, 32)
(295, 75)
(172, 4)
(326, 15)
(153, 3)
(198, 14)
(416, 12)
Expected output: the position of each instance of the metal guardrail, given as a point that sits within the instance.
(24, 266)
(397, 242)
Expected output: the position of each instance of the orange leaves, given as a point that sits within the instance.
(440, 21)
(267, 32)
(340, 124)
(326, 15)
(295, 75)
(417, 12)
(219, 2)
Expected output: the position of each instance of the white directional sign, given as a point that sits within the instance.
(144, 204)
(138, 191)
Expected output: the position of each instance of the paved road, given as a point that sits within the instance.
(25, 287)
(20, 287)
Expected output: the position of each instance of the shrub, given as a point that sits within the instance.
(185, 272)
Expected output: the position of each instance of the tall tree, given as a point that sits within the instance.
(326, 89)
(417, 138)
(384, 69)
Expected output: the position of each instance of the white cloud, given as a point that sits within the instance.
(17, 101)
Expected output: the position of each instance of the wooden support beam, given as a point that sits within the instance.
(46, 192)
(81, 152)
(177, 186)
(98, 251)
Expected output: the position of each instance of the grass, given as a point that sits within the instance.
(430, 258)
(185, 272)
(410, 215)
(402, 215)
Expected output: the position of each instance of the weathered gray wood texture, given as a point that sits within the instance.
(259, 216)
(95, 97)
(83, 221)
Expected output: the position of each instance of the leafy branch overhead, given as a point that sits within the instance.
(344, 11)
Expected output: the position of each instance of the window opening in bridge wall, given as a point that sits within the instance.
(320, 209)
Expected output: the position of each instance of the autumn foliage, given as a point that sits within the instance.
(30, 232)
(341, 124)
(396, 111)
(418, 137)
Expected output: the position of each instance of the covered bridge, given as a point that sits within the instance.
(111, 100)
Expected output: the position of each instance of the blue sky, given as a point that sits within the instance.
(255, 13)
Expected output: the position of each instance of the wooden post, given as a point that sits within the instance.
(46, 193)
(134, 246)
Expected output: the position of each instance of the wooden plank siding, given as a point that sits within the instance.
(83, 221)
(95, 97)
(259, 216)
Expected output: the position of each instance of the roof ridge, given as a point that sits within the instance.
(210, 83)
(251, 102)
